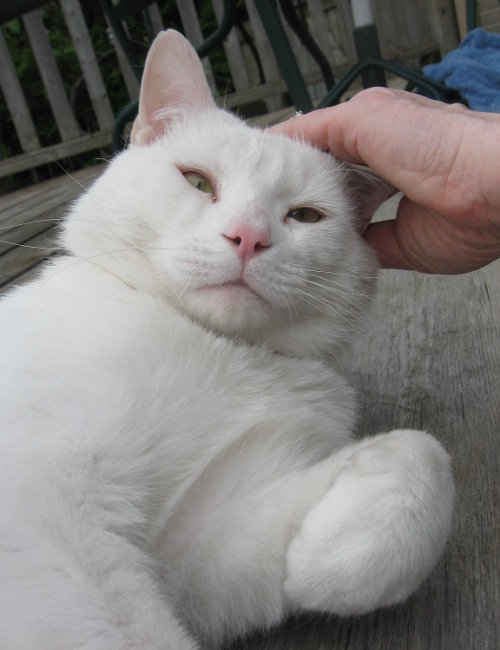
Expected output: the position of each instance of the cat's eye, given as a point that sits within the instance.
(200, 182)
(304, 215)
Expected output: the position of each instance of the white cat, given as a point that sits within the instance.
(177, 464)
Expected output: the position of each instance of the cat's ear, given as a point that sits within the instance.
(173, 79)
(367, 191)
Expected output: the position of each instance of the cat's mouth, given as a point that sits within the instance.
(235, 286)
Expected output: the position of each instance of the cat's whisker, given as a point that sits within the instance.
(125, 287)
(339, 308)
(182, 292)
(314, 298)
(333, 289)
(37, 247)
(288, 308)
(88, 259)
(52, 223)
(71, 176)
(329, 288)
(27, 223)
(373, 179)
(55, 221)
(342, 275)
(339, 274)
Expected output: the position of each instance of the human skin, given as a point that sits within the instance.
(445, 159)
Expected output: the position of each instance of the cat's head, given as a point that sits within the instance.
(252, 234)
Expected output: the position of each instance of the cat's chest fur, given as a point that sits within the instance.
(148, 398)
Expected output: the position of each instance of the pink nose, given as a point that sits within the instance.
(248, 240)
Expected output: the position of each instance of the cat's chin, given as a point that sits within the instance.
(230, 308)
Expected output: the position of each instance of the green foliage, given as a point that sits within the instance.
(69, 68)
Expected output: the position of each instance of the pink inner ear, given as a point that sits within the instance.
(367, 191)
(173, 78)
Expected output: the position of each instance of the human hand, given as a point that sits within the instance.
(444, 158)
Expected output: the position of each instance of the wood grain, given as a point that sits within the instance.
(47, 66)
(55, 152)
(86, 56)
(29, 221)
(444, 24)
(16, 102)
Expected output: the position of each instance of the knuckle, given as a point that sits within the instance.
(376, 93)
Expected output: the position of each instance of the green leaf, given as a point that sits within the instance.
(13, 26)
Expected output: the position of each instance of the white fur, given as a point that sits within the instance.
(176, 460)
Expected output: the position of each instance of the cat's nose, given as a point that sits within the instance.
(248, 240)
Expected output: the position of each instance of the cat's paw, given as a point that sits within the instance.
(378, 531)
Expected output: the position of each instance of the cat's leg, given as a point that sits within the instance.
(378, 530)
(68, 584)
(252, 541)
(224, 548)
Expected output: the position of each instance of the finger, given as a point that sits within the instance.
(421, 240)
(356, 130)
(382, 237)
(377, 128)
(323, 128)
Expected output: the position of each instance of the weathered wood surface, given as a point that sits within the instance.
(54, 152)
(488, 14)
(90, 69)
(29, 221)
(429, 359)
(46, 62)
(16, 101)
(444, 24)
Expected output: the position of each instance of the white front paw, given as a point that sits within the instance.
(378, 531)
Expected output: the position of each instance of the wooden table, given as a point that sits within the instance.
(429, 359)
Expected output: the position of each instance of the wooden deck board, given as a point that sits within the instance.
(29, 220)
(24, 205)
(430, 359)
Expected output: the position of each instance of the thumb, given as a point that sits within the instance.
(382, 237)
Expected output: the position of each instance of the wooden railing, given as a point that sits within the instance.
(405, 31)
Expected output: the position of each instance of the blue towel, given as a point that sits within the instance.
(473, 69)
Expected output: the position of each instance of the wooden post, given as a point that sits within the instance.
(234, 54)
(461, 15)
(131, 81)
(155, 18)
(85, 53)
(16, 102)
(269, 65)
(347, 22)
(192, 28)
(444, 24)
(63, 115)
(319, 29)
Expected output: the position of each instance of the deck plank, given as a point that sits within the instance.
(56, 191)
(23, 258)
(29, 222)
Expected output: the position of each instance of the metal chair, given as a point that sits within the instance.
(371, 61)
(368, 66)
(268, 12)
